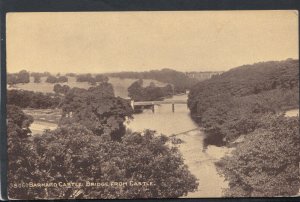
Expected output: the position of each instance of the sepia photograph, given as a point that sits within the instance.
(152, 104)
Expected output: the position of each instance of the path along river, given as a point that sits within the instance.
(200, 163)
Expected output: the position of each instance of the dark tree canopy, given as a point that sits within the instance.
(245, 104)
(231, 104)
(57, 88)
(97, 109)
(21, 161)
(62, 79)
(137, 92)
(24, 99)
(37, 79)
(21, 77)
(101, 78)
(137, 158)
(58, 79)
(267, 163)
(51, 79)
(83, 149)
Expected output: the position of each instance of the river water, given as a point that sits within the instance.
(200, 163)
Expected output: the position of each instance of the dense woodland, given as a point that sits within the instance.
(247, 104)
(179, 80)
(92, 144)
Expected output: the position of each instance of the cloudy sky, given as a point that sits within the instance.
(98, 42)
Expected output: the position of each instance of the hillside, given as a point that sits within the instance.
(244, 108)
(247, 91)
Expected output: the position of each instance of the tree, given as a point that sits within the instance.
(23, 77)
(267, 163)
(62, 79)
(12, 79)
(97, 109)
(65, 89)
(32, 99)
(71, 74)
(51, 79)
(101, 78)
(37, 79)
(135, 90)
(74, 154)
(85, 78)
(57, 88)
(179, 80)
(22, 159)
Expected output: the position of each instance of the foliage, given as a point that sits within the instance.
(23, 99)
(37, 79)
(90, 79)
(71, 74)
(246, 101)
(101, 78)
(21, 158)
(231, 104)
(97, 109)
(137, 92)
(57, 88)
(85, 78)
(51, 79)
(75, 154)
(179, 80)
(266, 164)
(62, 79)
(54, 79)
(20, 77)
(37, 76)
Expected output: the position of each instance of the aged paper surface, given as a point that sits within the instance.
(162, 104)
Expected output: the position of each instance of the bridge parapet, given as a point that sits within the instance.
(153, 103)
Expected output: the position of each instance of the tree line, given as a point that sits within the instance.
(21, 77)
(30, 99)
(179, 80)
(92, 144)
(248, 104)
(91, 79)
(24, 77)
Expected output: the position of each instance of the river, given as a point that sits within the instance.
(200, 163)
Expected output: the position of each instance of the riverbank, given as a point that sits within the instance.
(201, 163)
(203, 166)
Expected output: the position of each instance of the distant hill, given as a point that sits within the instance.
(179, 80)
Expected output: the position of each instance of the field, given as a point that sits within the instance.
(43, 119)
(120, 85)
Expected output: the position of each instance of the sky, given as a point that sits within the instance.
(98, 42)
